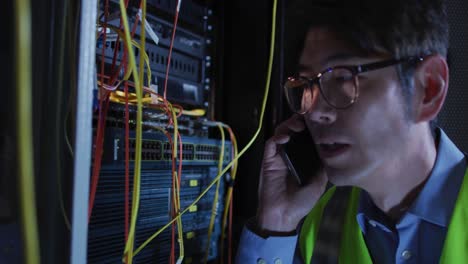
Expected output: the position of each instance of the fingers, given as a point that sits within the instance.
(271, 146)
(294, 123)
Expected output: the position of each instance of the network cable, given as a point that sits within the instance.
(215, 200)
(249, 144)
(136, 183)
(24, 127)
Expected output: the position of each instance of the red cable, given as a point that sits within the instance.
(96, 140)
(103, 76)
(125, 56)
(98, 151)
(172, 256)
(181, 109)
(170, 49)
(116, 50)
(117, 41)
(104, 38)
(179, 174)
(173, 213)
(101, 127)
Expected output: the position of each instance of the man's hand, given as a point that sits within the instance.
(282, 202)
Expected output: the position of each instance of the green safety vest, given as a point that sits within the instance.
(353, 248)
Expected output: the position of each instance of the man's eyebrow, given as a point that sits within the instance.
(343, 56)
(303, 68)
(337, 57)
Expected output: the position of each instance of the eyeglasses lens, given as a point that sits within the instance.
(338, 87)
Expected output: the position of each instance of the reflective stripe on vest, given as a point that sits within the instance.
(353, 248)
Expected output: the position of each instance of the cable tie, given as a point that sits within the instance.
(154, 97)
(149, 29)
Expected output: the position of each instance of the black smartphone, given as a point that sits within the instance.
(301, 157)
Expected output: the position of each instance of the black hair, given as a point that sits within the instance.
(399, 28)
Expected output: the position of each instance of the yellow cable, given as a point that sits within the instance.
(177, 187)
(214, 209)
(241, 153)
(193, 112)
(229, 192)
(24, 129)
(128, 252)
(137, 169)
(119, 97)
(141, 66)
(142, 51)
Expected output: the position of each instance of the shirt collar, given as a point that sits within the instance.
(437, 199)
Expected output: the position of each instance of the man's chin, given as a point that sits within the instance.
(339, 177)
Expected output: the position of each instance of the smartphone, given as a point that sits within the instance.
(301, 157)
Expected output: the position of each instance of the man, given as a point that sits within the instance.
(371, 77)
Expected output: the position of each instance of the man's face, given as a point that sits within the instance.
(356, 143)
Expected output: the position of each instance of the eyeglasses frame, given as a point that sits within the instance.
(355, 71)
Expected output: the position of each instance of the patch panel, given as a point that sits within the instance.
(150, 150)
(189, 84)
(152, 120)
(188, 152)
(207, 152)
(191, 59)
(182, 66)
(107, 223)
(192, 14)
(156, 149)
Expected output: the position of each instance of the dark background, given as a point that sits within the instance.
(246, 56)
(245, 38)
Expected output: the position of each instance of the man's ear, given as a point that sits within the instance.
(431, 84)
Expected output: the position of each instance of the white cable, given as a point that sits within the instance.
(178, 5)
(149, 29)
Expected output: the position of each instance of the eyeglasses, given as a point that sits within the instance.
(338, 85)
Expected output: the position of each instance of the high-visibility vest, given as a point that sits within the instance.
(353, 248)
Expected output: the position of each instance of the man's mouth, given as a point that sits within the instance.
(330, 150)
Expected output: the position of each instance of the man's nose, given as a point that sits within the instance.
(320, 111)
